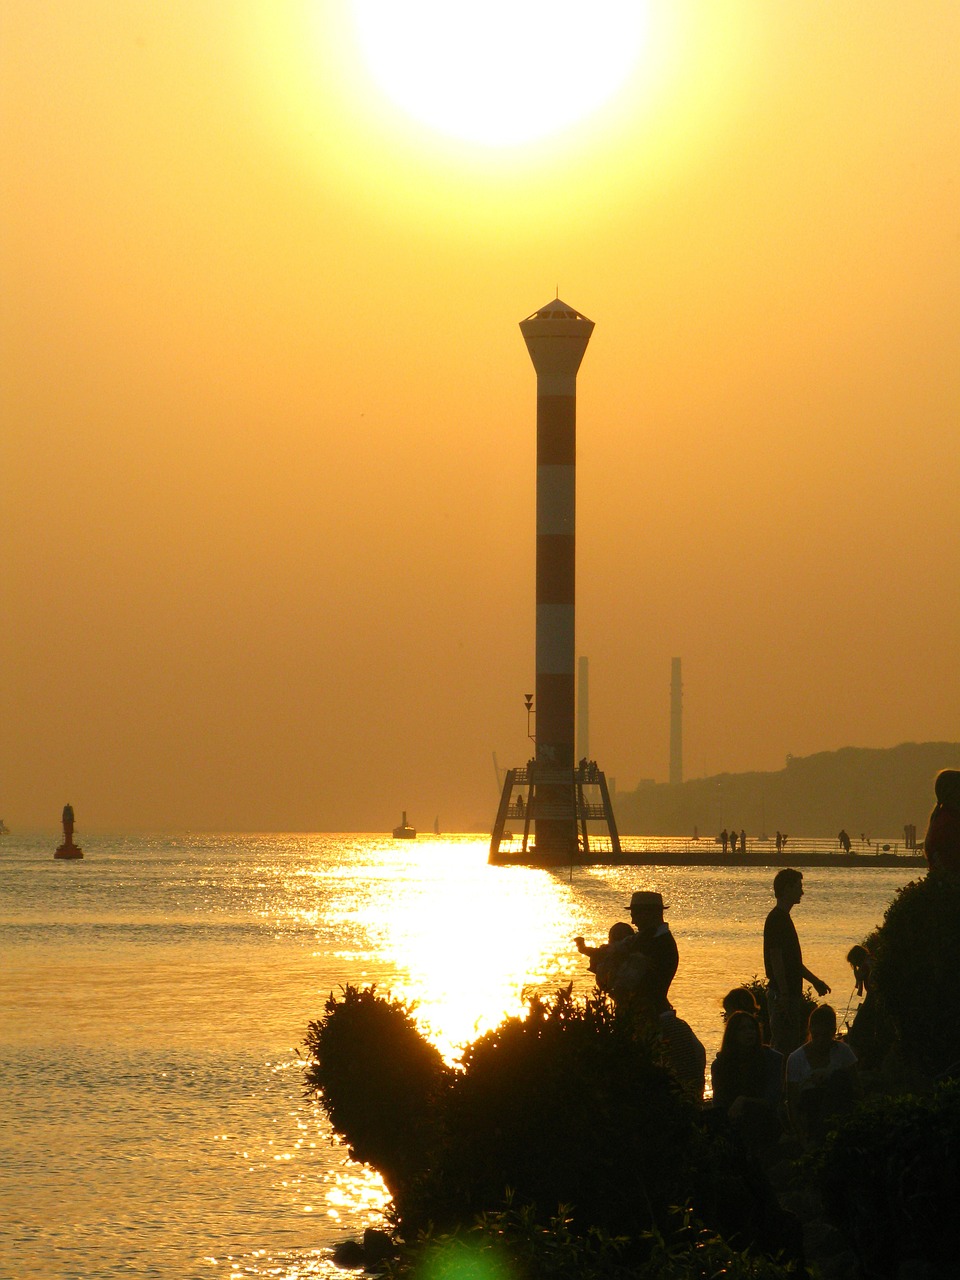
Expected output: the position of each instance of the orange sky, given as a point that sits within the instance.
(267, 451)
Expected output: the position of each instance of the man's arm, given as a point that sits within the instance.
(818, 984)
(779, 972)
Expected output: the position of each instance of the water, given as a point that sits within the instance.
(153, 996)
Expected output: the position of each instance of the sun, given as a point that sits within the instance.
(500, 73)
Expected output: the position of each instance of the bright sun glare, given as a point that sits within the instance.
(501, 72)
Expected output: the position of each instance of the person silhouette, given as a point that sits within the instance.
(941, 844)
(603, 959)
(783, 963)
(645, 963)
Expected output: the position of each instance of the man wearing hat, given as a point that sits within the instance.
(650, 956)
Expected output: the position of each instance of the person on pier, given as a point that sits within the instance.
(783, 963)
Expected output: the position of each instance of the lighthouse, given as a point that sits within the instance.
(556, 803)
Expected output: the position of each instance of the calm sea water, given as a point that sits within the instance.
(153, 996)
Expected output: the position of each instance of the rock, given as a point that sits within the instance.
(349, 1255)
(377, 1247)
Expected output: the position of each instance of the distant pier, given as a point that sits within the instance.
(640, 851)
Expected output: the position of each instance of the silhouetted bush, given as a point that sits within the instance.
(917, 970)
(890, 1179)
(565, 1106)
(379, 1080)
(568, 1106)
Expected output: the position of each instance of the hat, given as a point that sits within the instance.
(646, 898)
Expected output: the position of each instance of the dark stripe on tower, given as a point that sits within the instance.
(556, 430)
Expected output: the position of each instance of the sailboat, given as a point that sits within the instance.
(436, 825)
(4, 829)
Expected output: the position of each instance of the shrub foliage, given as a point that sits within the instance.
(917, 963)
(379, 1080)
(890, 1178)
(512, 1244)
(566, 1106)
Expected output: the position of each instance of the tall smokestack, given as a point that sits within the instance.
(583, 708)
(556, 338)
(676, 723)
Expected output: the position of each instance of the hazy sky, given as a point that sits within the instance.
(267, 451)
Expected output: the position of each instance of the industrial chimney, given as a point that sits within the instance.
(676, 724)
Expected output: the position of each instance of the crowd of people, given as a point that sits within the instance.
(776, 1066)
(781, 1063)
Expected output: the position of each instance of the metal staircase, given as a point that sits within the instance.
(567, 798)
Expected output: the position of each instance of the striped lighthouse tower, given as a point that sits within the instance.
(556, 338)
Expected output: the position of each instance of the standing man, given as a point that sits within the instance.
(646, 962)
(783, 962)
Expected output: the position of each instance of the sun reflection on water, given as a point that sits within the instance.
(468, 938)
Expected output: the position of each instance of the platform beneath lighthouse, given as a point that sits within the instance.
(565, 801)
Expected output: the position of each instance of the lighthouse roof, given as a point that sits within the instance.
(557, 309)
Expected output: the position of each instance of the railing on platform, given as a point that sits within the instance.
(796, 847)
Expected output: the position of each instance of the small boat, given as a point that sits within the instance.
(404, 831)
(4, 829)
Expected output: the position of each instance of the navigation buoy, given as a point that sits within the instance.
(68, 849)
